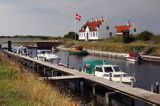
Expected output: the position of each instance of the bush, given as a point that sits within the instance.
(128, 39)
(145, 35)
(71, 35)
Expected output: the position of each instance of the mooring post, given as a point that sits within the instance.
(68, 61)
(152, 88)
(9, 46)
(93, 90)
(44, 71)
(52, 73)
(79, 68)
(107, 99)
(121, 78)
(132, 82)
(81, 87)
(157, 87)
(37, 69)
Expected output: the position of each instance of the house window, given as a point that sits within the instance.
(135, 30)
(107, 28)
(93, 34)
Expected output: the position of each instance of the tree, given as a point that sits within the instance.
(145, 35)
(72, 35)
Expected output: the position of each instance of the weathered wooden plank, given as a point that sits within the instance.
(60, 77)
(137, 93)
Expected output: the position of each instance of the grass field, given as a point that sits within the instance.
(19, 88)
(116, 44)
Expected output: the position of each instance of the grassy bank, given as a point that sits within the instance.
(116, 44)
(19, 88)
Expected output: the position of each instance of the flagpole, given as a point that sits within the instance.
(75, 29)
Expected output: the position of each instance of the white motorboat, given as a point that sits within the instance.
(111, 72)
(132, 56)
(47, 55)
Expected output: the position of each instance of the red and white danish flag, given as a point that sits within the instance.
(78, 17)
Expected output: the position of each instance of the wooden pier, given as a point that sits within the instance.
(133, 92)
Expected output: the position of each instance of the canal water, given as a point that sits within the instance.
(145, 73)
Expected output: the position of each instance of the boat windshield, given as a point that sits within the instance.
(116, 68)
(48, 52)
(108, 69)
(44, 51)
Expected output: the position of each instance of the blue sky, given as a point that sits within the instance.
(56, 17)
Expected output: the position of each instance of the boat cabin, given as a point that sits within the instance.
(105, 70)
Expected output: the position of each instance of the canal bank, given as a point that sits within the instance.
(146, 58)
(134, 92)
(29, 91)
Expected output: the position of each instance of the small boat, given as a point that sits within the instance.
(105, 70)
(133, 56)
(22, 50)
(47, 55)
(78, 50)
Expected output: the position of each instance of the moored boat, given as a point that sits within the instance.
(78, 50)
(133, 56)
(47, 55)
(105, 70)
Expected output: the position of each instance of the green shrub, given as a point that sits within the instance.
(71, 35)
(128, 39)
(145, 35)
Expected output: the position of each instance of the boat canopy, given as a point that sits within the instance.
(89, 65)
(133, 54)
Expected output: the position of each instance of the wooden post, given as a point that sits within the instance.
(81, 87)
(52, 73)
(93, 90)
(157, 87)
(44, 71)
(37, 69)
(68, 61)
(152, 88)
(107, 99)
(79, 68)
(132, 82)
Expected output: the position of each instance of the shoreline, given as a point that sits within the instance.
(146, 58)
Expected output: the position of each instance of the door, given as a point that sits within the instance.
(87, 36)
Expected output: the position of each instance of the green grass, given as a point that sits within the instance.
(8, 94)
(20, 88)
(116, 44)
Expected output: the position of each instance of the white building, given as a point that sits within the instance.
(128, 29)
(96, 29)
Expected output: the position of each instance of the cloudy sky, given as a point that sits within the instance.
(56, 17)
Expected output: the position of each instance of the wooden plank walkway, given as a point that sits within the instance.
(60, 78)
(137, 93)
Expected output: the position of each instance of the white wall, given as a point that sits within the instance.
(104, 32)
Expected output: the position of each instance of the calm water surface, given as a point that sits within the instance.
(146, 73)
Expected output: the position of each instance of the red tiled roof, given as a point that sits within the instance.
(92, 25)
(120, 29)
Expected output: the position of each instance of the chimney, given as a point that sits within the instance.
(92, 20)
(102, 18)
(128, 23)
